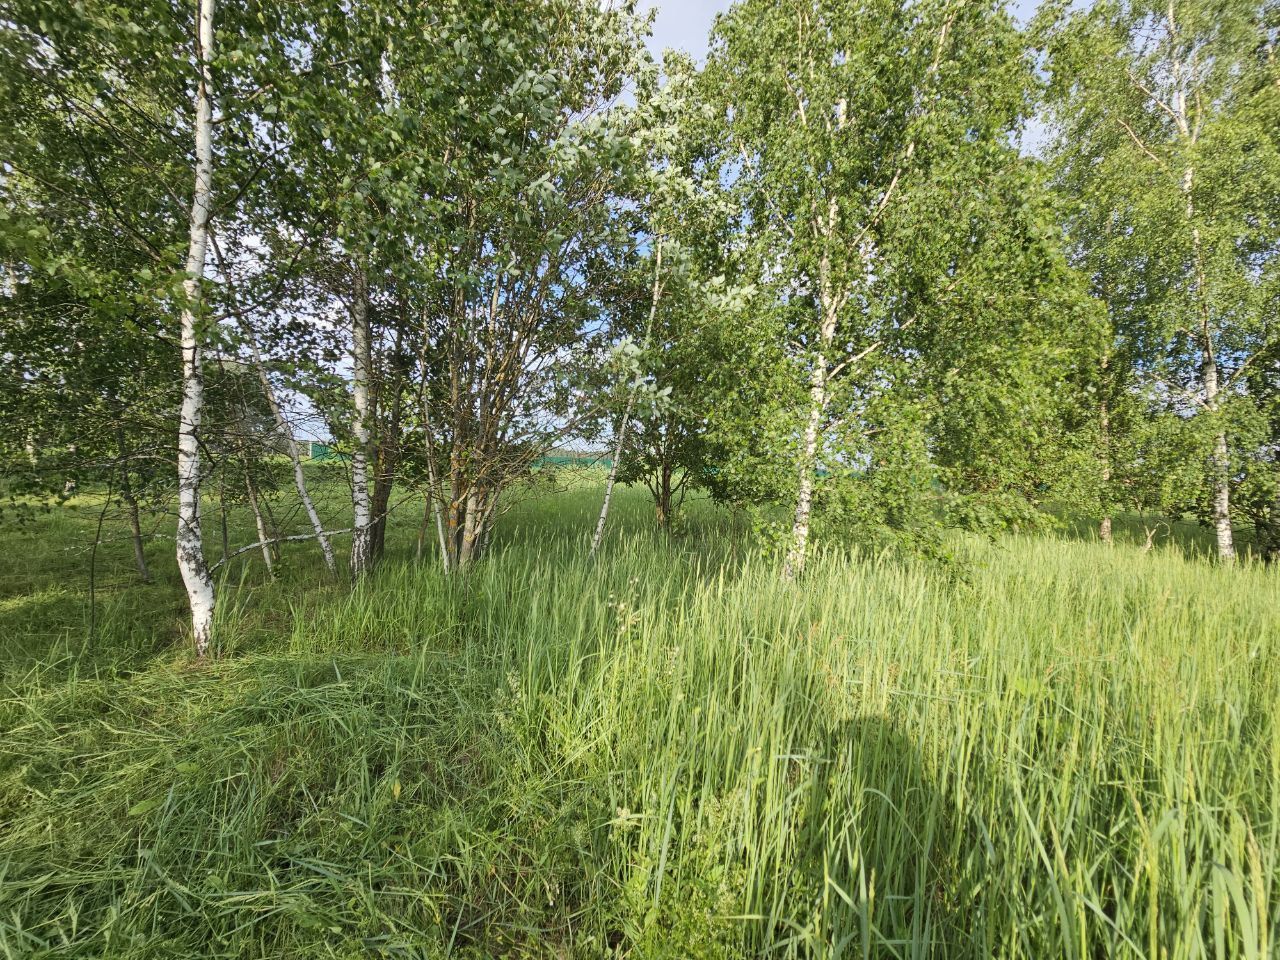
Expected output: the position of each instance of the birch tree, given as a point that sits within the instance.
(358, 117)
(283, 428)
(190, 534)
(532, 227)
(1167, 117)
(691, 334)
(116, 133)
(852, 133)
(629, 357)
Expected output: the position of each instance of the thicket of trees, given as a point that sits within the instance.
(815, 276)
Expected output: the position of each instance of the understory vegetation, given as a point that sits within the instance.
(1043, 748)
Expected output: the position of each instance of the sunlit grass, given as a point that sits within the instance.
(1051, 749)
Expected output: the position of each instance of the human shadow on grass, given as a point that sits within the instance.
(875, 870)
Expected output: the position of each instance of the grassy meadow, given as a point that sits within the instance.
(1049, 749)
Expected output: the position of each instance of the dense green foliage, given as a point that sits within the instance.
(1165, 120)
(665, 752)
(947, 628)
(439, 226)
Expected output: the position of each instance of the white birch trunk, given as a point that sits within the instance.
(1221, 465)
(1222, 500)
(361, 556)
(440, 534)
(190, 539)
(429, 510)
(1104, 526)
(804, 496)
(631, 400)
(295, 457)
(818, 397)
(613, 475)
(259, 522)
(1220, 461)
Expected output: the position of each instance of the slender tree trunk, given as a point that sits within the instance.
(1222, 500)
(471, 529)
(613, 475)
(264, 536)
(274, 527)
(361, 556)
(295, 457)
(190, 538)
(808, 463)
(384, 482)
(433, 498)
(135, 526)
(818, 397)
(69, 485)
(420, 547)
(286, 433)
(631, 399)
(440, 534)
(383, 486)
(664, 495)
(1104, 527)
(131, 507)
(488, 521)
(1221, 465)
(454, 514)
(1220, 460)
(222, 514)
(93, 565)
(388, 458)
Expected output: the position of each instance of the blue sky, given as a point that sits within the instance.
(684, 24)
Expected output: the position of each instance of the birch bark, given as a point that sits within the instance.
(259, 521)
(1220, 463)
(818, 399)
(190, 538)
(794, 565)
(361, 555)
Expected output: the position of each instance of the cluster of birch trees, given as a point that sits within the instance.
(819, 275)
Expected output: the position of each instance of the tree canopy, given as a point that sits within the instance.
(817, 277)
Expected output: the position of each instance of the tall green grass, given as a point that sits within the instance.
(1051, 750)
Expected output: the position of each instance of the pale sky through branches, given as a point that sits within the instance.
(685, 24)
